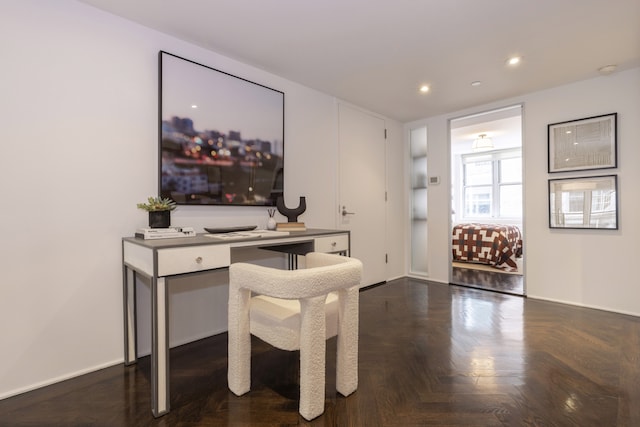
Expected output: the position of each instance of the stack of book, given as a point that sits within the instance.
(290, 226)
(165, 233)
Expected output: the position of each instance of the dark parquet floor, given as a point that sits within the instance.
(488, 280)
(430, 355)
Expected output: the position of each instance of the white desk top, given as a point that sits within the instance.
(202, 239)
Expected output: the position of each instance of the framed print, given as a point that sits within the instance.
(589, 202)
(583, 144)
(221, 137)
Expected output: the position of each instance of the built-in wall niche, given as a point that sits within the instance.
(419, 187)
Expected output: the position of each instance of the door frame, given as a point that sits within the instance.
(487, 113)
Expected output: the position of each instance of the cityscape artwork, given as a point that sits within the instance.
(221, 136)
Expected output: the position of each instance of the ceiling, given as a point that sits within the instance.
(502, 126)
(377, 53)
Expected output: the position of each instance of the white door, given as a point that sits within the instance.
(362, 194)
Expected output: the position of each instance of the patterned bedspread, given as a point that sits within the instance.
(496, 245)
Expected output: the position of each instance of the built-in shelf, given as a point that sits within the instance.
(418, 196)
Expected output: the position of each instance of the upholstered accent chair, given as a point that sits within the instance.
(297, 310)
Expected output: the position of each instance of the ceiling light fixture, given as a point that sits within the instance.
(514, 60)
(482, 143)
(607, 69)
(424, 88)
(476, 83)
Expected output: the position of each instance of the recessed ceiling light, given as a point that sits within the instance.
(607, 69)
(424, 88)
(476, 83)
(194, 106)
(514, 60)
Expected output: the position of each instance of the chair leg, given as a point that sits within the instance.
(239, 352)
(347, 357)
(312, 357)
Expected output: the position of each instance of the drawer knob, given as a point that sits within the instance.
(199, 260)
(334, 244)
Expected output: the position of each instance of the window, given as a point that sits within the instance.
(492, 184)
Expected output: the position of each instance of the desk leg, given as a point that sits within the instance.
(159, 348)
(292, 261)
(129, 298)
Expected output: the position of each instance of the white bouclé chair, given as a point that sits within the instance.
(297, 310)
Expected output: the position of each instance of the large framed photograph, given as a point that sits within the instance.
(583, 144)
(588, 202)
(221, 136)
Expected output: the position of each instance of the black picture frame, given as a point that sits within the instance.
(584, 202)
(583, 144)
(221, 137)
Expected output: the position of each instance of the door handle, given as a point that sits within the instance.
(345, 213)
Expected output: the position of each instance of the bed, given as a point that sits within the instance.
(491, 244)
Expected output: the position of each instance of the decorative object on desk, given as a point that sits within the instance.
(291, 214)
(271, 222)
(219, 230)
(165, 233)
(159, 211)
(291, 226)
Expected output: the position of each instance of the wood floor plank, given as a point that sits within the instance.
(430, 355)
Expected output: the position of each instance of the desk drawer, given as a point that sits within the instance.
(193, 258)
(337, 243)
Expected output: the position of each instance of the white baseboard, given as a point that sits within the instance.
(595, 307)
(60, 378)
(141, 353)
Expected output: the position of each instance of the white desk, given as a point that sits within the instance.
(161, 259)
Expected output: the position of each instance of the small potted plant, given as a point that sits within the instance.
(159, 211)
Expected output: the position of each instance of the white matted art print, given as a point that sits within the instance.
(585, 202)
(583, 144)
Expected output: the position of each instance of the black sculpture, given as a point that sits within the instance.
(291, 214)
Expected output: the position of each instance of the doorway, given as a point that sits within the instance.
(487, 201)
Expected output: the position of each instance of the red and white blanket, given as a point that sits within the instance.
(492, 244)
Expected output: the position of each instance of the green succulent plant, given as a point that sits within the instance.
(155, 204)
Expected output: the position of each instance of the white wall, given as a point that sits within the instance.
(78, 151)
(593, 268)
